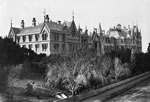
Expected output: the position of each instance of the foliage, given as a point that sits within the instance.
(85, 70)
(26, 70)
(12, 54)
(141, 63)
(3, 78)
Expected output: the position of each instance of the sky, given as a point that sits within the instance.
(86, 12)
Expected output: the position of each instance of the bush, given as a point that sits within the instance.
(15, 71)
(3, 78)
(26, 70)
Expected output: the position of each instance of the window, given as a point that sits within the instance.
(37, 37)
(63, 37)
(63, 47)
(44, 47)
(72, 47)
(73, 31)
(18, 39)
(121, 40)
(56, 36)
(24, 38)
(36, 47)
(56, 46)
(44, 35)
(24, 46)
(30, 46)
(30, 37)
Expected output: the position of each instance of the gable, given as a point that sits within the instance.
(73, 29)
(11, 34)
(45, 29)
(95, 37)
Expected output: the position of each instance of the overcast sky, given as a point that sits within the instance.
(87, 13)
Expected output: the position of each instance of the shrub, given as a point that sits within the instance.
(3, 78)
(121, 70)
(15, 71)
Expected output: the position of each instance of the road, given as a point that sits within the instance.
(139, 93)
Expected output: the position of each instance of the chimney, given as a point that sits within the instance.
(22, 24)
(119, 26)
(47, 18)
(59, 22)
(34, 22)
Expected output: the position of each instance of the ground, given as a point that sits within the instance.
(17, 87)
(138, 93)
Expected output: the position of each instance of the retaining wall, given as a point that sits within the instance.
(125, 84)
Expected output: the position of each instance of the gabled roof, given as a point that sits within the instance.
(16, 30)
(95, 36)
(118, 33)
(67, 27)
(32, 29)
(73, 28)
(55, 26)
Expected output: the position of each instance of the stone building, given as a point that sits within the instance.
(116, 37)
(48, 37)
(65, 38)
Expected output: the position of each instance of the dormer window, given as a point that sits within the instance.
(44, 35)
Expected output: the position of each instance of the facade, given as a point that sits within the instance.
(119, 37)
(48, 37)
(64, 38)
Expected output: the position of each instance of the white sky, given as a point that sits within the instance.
(87, 13)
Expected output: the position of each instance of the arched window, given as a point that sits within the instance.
(44, 35)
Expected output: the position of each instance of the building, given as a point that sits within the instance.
(64, 38)
(48, 37)
(148, 49)
(115, 38)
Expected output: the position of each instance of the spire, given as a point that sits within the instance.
(73, 15)
(85, 27)
(44, 12)
(86, 30)
(100, 29)
(11, 22)
(79, 26)
(137, 28)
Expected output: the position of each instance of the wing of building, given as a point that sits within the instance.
(64, 38)
(48, 37)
